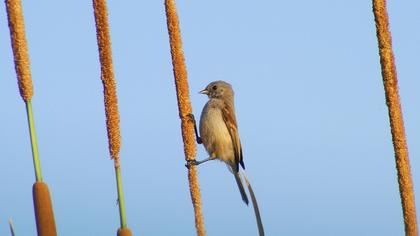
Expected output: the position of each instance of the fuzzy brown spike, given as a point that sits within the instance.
(111, 102)
(124, 232)
(184, 106)
(44, 214)
(20, 48)
(389, 75)
(45, 222)
(107, 77)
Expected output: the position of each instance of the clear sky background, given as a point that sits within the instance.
(310, 107)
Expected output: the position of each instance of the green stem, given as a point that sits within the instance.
(35, 154)
(121, 203)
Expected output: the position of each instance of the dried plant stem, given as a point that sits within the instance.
(23, 72)
(390, 81)
(111, 102)
(42, 202)
(184, 105)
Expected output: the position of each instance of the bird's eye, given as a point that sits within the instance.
(214, 87)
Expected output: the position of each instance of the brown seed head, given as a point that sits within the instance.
(44, 214)
(124, 232)
(107, 77)
(389, 75)
(20, 49)
(184, 106)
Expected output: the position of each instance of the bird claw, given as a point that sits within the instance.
(191, 163)
(191, 117)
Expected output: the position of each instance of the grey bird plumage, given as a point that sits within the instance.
(220, 137)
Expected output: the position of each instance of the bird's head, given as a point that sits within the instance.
(218, 89)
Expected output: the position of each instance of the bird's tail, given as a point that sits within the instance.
(241, 187)
(12, 229)
(255, 204)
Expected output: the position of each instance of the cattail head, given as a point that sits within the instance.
(124, 232)
(181, 81)
(20, 49)
(184, 106)
(44, 214)
(112, 117)
(107, 77)
(389, 76)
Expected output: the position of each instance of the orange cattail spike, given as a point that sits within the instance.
(111, 102)
(42, 202)
(184, 106)
(20, 49)
(390, 81)
(107, 77)
(45, 222)
(124, 232)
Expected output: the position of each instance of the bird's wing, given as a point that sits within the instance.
(230, 121)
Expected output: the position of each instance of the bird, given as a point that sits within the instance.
(219, 135)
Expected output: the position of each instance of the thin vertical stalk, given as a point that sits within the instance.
(44, 214)
(111, 103)
(34, 144)
(184, 106)
(389, 75)
(121, 203)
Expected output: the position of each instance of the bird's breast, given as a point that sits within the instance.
(215, 135)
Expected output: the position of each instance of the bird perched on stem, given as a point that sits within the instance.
(220, 137)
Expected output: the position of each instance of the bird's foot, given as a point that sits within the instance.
(191, 163)
(191, 117)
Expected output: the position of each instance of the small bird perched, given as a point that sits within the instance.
(220, 137)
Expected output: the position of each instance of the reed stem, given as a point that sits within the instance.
(34, 144)
(111, 102)
(184, 107)
(121, 202)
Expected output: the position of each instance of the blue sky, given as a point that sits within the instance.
(310, 107)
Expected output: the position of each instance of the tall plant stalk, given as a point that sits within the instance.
(34, 144)
(184, 106)
(389, 75)
(111, 103)
(44, 214)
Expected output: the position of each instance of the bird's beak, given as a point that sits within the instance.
(204, 91)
